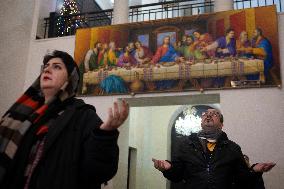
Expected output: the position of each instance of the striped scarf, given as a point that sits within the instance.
(36, 151)
(28, 110)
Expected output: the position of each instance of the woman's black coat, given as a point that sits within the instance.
(77, 154)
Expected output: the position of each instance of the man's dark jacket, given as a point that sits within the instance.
(77, 154)
(199, 170)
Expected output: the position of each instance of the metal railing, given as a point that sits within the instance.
(138, 13)
(154, 11)
(242, 4)
(169, 9)
(57, 26)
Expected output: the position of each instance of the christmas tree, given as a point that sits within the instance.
(66, 23)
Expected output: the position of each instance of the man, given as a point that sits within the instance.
(142, 54)
(126, 59)
(112, 54)
(203, 40)
(91, 57)
(262, 49)
(243, 45)
(190, 50)
(258, 181)
(131, 47)
(208, 159)
(225, 46)
(166, 52)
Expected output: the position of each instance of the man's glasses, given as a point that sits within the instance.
(211, 113)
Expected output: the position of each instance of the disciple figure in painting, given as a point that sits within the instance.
(225, 46)
(183, 40)
(262, 49)
(243, 45)
(112, 54)
(91, 58)
(179, 45)
(126, 59)
(131, 47)
(103, 56)
(203, 40)
(142, 53)
(166, 52)
(190, 51)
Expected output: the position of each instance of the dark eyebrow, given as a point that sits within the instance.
(56, 63)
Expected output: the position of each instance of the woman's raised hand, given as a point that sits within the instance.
(116, 116)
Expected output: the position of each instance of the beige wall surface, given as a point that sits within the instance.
(149, 135)
(14, 45)
(254, 118)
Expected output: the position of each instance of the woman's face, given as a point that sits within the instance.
(54, 75)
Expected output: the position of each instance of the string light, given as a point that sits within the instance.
(65, 24)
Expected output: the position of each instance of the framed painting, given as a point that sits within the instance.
(144, 39)
(224, 50)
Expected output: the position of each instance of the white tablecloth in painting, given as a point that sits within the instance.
(234, 67)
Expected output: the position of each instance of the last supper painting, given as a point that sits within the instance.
(225, 50)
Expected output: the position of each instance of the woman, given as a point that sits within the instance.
(49, 139)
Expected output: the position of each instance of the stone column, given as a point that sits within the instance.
(120, 11)
(223, 5)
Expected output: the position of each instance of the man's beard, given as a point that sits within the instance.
(210, 127)
(210, 132)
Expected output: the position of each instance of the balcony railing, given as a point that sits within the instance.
(56, 25)
(242, 4)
